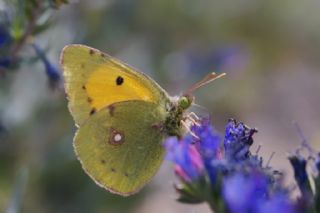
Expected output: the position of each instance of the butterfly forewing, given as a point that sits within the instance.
(93, 80)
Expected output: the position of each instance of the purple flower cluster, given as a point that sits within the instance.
(230, 178)
(14, 37)
(5, 40)
(188, 162)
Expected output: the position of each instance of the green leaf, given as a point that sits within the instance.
(16, 30)
(187, 195)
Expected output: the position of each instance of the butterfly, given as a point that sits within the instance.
(122, 117)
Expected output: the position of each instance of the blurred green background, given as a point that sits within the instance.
(270, 51)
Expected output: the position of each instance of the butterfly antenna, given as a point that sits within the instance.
(206, 80)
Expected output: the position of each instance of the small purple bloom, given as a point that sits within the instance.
(237, 141)
(317, 184)
(208, 145)
(4, 36)
(318, 163)
(300, 174)
(51, 71)
(187, 159)
(209, 140)
(5, 62)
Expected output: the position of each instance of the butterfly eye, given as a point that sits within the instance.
(184, 102)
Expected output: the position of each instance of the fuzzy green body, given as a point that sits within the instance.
(173, 121)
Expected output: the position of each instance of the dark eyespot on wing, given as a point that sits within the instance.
(103, 161)
(89, 99)
(91, 51)
(111, 109)
(93, 110)
(119, 80)
(84, 87)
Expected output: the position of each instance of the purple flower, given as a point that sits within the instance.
(317, 184)
(5, 62)
(4, 36)
(278, 203)
(51, 71)
(235, 180)
(242, 192)
(187, 159)
(237, 141)
(300, 174)
(209, 140)
(208, 145)
(318, 163)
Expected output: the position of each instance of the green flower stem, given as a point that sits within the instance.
(29, 29)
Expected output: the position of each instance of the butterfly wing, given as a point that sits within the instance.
(94, 80)
(119, 146)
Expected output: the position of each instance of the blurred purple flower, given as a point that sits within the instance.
(250, 193)
(51, 71)
(5, 62)
(300, 174)
(235, 180)
(317, 184)
(243, 193)
(318, 163)
(278, 203)
(209, 140)
(208, 145)
(187, 159)
(4, 36)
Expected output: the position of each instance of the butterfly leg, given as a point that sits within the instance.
(194, 115)
(188, 129)
(194, 120)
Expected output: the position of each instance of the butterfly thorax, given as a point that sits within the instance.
(176, 114)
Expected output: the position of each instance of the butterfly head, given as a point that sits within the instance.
(185, 101)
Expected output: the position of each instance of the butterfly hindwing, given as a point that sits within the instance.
(120, 146)
(94, 80)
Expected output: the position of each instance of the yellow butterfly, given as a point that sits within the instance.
(123, 117)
